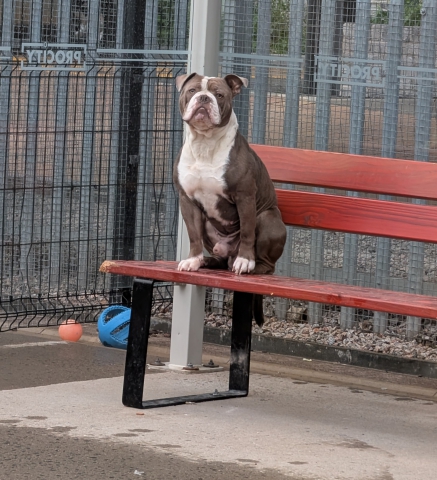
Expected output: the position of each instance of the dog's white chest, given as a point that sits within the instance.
(202, 177)
(203, 164)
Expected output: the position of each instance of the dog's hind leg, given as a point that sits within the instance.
(270, 240)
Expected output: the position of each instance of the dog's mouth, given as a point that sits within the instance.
(200, 114)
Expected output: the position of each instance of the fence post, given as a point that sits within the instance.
(189, 300)
(389, 137)
(358, 99)
(291, 127)
(112, 282)
(128, 84)
(321, 137)
(28, 207)
(243, 45)
(337, 46)
(311, 46)
(228, 36)
(261, 73)
(5, 84)
(146, 168)
(292, 87)
(89, 113)
(424, 105)
(54, 235)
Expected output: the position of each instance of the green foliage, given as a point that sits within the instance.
(412, 16)
(165, 23)
(280, 22)
(279, 26)
(381, 15)
(170, 30)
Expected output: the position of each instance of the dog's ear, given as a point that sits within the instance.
(181, 80)
(235, 83)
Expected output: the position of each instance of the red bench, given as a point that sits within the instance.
(411, 221)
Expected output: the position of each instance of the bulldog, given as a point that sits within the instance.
(227, 199)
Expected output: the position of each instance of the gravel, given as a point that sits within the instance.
(423, 347)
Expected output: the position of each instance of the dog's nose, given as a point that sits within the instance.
(203, 99)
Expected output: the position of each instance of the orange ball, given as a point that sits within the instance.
(70, 331)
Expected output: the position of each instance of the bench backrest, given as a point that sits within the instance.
(357, 173)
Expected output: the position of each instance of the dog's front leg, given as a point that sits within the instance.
(194, 222)
(246, 206)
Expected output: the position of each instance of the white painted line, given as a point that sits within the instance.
(33, 344)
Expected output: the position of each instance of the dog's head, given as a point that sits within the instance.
(206, 102)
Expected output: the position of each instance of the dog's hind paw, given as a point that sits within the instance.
(191, 264)
(243, 265)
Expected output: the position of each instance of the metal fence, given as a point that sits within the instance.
(346, 76)
(88, 133)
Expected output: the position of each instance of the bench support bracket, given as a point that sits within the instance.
(135, 367)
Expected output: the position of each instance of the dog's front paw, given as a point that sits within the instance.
(243, 265)
(191, 264)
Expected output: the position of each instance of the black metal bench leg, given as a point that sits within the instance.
(135, 367)
(240, 342)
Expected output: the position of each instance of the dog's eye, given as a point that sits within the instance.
(192, 90)
(219, 95)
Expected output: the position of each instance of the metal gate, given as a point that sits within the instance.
(88, 133)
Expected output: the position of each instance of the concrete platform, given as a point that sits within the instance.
(69, 422)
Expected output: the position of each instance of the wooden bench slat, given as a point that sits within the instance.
(358, 215)
(361, 173)
(286, 287)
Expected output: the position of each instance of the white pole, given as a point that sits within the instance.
(188, 300)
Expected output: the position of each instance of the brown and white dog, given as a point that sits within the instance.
(226, 196)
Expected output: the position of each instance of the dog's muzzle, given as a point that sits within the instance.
(202, 108)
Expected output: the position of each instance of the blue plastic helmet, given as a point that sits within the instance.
(113, 326)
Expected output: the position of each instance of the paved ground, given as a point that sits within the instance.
(61, 417)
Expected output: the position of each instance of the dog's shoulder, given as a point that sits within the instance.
(244, 161)
(244, 152)
(247, 173)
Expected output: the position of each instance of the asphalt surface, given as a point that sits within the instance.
(37, 453)
(61, 417)
(53, 452)
(36, 361)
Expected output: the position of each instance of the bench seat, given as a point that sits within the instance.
(285, 287)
